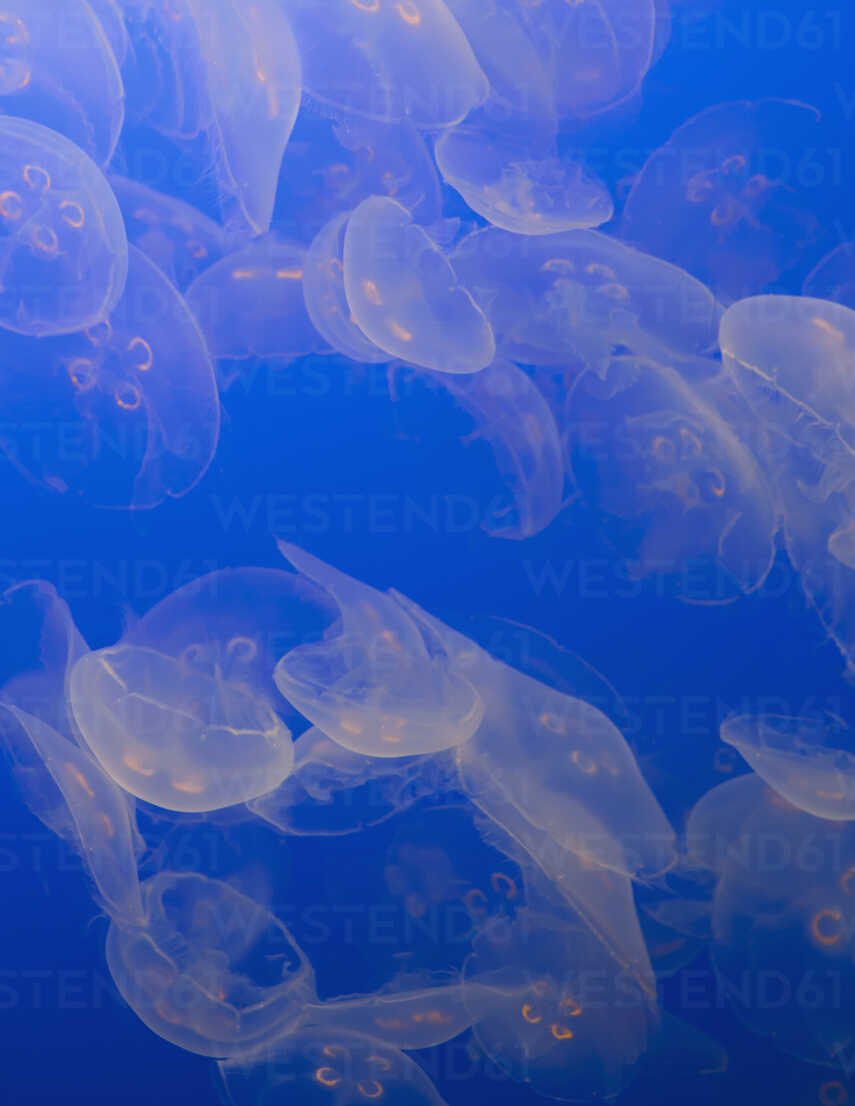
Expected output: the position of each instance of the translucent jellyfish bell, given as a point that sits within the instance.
(833, 278)
(388, 59)
(541, 1017)
(318, 1067)
(803, 759)
(375, 683)
(404, 294)
(125, 412)
(211, 970)
(668, 461)
(517, 190)
(58, 69)
(64, 255)
(183, 712)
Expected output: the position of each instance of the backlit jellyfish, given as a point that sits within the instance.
(332, 791)
(512, 417)
(406, 1016)
(210, 970)
(125, 412)
(716, 820)
(404, 295)
(250, 305)
(597, 54)
(792, 356)
(376, 682)
(64, 256)
(659, 454)
(387, 59)
(833, 278)
(783, 920)
(576, 298)
(318, 1067)
(180, 240)
(109, 15)
(57, 68)
(554, 1010)
(724, 198)
(183, 711)
(517, 191)
(804, 759)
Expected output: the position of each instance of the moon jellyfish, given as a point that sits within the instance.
(783, 917)
(596, 54)
(719, 199)
(183, 712)
(388, 59)
(803, 759)
(332, 791)
(519, 192)
(407, 1016)
(553, 1010)
(833, 278)
(211, 970)
(109, 15)
(665, 460)
(64, 256)
(578, 297)
(716, 820)
(250, 304)
(376, 683)
(317, 1067)
(404, 295)
(180, 240)
(126, 411)
(57, 68)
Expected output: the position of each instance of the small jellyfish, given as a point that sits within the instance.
(64, 255)
(804, 759)
(554, 1011)
(720, 198)
(211, 970)
(180, 240)
(388, 60)
(404, 295)
(125, 412)
(517, 190)
(657, 452)
(183, 711)
(578, 297)
(58, 68)
(376, 683)
(327, 1067)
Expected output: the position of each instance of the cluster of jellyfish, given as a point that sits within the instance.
(392, 187)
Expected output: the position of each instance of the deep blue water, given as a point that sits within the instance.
(316, 452)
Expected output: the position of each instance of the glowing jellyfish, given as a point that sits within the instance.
(250, 303)
(803, 759)
(57, 68)
(388, 59)
(833, 278)
(180, 240)
(721, 197)
(332, 791)
(404, 294)
(715, 821)
(783, 919)
(519, 192)
(596, 54)
(331, 1067)
(211, 970)
(109, 15)
(406, 1016)
(375, 683)
(553, 1010)
(668, 461)
(183, 712)
(64, 255)
(124, 412)
(508, 412)
(577, 297)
